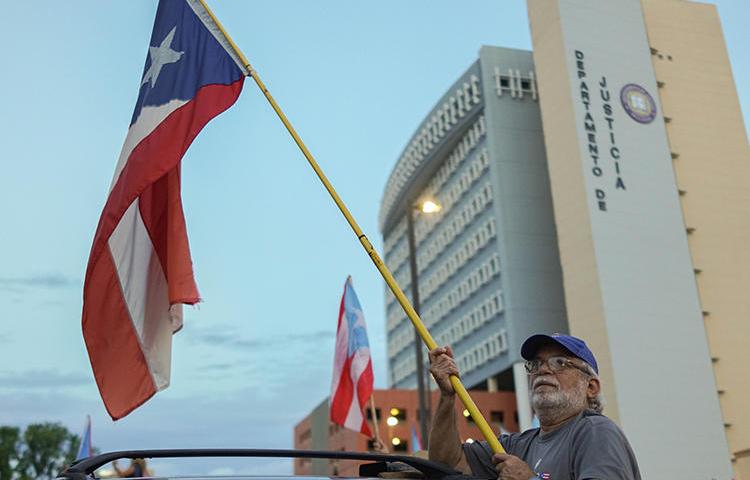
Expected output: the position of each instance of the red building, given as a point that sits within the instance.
(396, 411)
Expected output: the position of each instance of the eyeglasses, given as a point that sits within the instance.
(555, 364)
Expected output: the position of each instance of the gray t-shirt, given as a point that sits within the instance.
(589, 446)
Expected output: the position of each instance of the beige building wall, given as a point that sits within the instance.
(628, 267)
(583, 297)
(712, 167)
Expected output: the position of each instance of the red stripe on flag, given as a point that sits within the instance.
(161, 210)
(342, 399)
(364, 391)
(154, 157)
(120, 368)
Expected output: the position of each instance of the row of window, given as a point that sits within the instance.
(396, 248)
(402, 369)
(514, 83)
(457, 259)
(471, 321)
(395, 236)
(476, 357)
(460, 152)
(396, 316)
(452, 195)
(446, 234)
(451, 227)
(450, 301)
(401, 339)
(396, 257)
(397, 261)
(467, 96)
(467, 362)
(461, 292)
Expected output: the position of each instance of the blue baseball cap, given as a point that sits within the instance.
(574, 345)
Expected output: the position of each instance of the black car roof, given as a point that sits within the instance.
(382, 465)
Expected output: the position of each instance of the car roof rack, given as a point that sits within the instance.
(84, 469)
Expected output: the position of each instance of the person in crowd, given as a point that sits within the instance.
(137, 469)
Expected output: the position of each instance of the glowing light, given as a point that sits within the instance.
(395, 411)
(466, 413)
(396, 441)
(392, 421)
(428, 206)
(469, 440)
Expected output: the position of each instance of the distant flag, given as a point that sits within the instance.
(352, 366)
(140, 271)
(85, 450)
(416, 444)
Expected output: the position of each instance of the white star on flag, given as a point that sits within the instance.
(160, 56)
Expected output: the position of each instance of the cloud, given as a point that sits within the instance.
(48, 281)
(227, 338)
(41, 379)
(217, 367)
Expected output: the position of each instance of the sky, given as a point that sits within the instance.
(271, 252)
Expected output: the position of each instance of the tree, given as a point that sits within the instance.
(9, 445)
(74, 443)
(46, 448)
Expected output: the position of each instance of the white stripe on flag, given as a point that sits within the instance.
(340, 354)
(148, 119)
(147, 300)
(354, 416)
(360, 359)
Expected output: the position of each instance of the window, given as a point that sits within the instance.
(399, 413)
(403, 446)
(369, 416)
(497, 417)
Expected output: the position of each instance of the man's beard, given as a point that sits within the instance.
(552, 403)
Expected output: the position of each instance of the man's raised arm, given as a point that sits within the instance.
(445, 444)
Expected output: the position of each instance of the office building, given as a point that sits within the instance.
(609, 174)
(487, 262)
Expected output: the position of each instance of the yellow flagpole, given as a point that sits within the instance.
(461, 391)
(375, 419)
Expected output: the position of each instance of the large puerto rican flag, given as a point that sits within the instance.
(139, 271)
(352, 366)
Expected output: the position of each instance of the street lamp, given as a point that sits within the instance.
(427, 206)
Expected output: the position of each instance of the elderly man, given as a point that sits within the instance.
(574, 441)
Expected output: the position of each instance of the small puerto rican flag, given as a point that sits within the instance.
(352, 367)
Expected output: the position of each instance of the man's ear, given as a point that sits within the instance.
(593, 388)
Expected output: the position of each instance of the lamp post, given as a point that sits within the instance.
(425, 207)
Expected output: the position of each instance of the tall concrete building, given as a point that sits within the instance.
(487, 262)
(623, 221)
